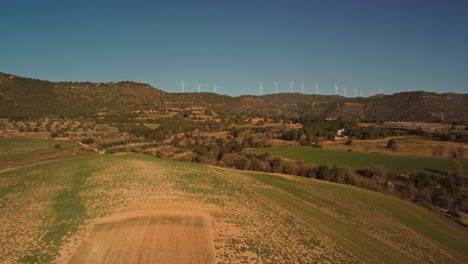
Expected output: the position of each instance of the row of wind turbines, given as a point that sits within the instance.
(336, 88)
(199, 86)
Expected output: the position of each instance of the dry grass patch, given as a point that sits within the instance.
(172, 238)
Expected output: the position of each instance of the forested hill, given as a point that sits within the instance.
(25, 97)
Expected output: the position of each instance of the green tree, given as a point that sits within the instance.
(323, 173)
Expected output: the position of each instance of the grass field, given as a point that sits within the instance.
(102, 208)
(360, 160)
(407, 146)
(19, 148)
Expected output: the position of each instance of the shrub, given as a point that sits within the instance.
(454, 214)
(240, 164)
(392, 145)
(87, 141)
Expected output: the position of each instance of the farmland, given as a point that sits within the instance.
(149, 239)
(360, 160)
(63, 210)
(19, 148)
(407, 146)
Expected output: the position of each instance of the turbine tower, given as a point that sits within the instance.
(316, 88)
(260, 87)
(276, 87)
(302, 87)
(215, 88)
(183, 85)
(291, 84)
(199, 85)
(336, 88)
(344, 91)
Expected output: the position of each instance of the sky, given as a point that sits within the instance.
(368, 46)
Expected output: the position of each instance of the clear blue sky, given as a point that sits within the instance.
(370, 45)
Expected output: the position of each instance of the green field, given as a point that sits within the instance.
(19, 148)
(360, 160)
(46, 210)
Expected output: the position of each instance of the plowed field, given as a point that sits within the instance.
(149, 239)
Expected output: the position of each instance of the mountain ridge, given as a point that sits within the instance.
(27, 97)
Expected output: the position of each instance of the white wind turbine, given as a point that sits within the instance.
(336, 88)
(302, 87)
(183, 85)
(276, 87)
(199, 85)
(291, 84)
(215, 88)
(344, 91)
(316, 88)
(260, 87)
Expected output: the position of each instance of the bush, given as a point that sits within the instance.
(323, 173)
(87, 141)
(378, 172)
(454, 214)
(424, 197)
(240, 164)
(392, 145)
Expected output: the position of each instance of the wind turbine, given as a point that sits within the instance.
(199, 85)
(183, 86)
(276, 87)
(260, 87)
(355, 91)
(344, 91)
(302, 87)
(316, 88)
(336, 88)
(291, 84)
(215, 88)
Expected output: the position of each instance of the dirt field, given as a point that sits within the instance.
(173, 238)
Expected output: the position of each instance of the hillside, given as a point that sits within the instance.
(138, 208)
(416, 106)
(25, 97)
(33, 98)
